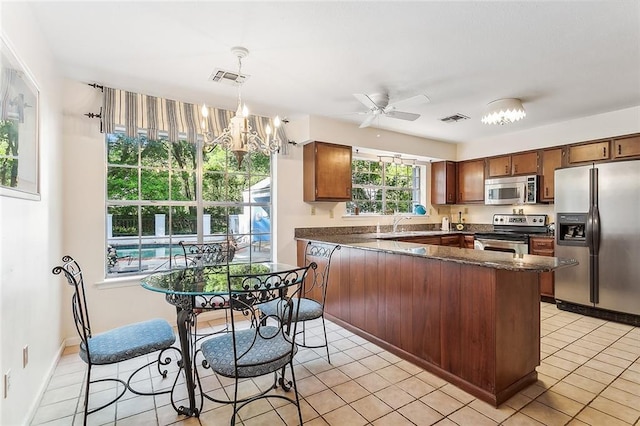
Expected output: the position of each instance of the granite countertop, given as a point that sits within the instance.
(491, 259)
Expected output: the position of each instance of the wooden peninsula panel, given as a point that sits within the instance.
(476, 327)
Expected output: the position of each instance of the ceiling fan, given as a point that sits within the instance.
(378, 105)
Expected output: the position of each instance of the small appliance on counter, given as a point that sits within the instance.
(445, 224)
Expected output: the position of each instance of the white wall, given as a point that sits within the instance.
(31, 238)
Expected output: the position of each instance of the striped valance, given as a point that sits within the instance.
(178, 120)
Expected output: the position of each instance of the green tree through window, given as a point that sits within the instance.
(160, 193)
(384, 188)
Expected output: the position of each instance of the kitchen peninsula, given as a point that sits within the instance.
(469, 316)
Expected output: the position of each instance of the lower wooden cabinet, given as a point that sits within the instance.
(544, 247)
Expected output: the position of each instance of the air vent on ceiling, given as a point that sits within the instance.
(227, 77)
(454, 118)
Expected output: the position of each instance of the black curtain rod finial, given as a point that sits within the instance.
(94, 115)
(96, 86)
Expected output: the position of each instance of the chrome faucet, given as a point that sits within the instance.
(396, 221)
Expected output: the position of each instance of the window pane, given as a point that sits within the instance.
(183, 186)
(184, 220)
(154, 153)
(183, 155)
(155, 184)
(155, 220)
(122, 183)
(122, 150)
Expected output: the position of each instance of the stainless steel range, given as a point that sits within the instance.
(511, 233)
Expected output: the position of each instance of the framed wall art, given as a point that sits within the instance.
(19, 129)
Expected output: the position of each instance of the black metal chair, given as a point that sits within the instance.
(260, 349)
(209, 254)
(116, 345)
(315, 292)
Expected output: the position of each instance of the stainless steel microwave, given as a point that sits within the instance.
(511, 190)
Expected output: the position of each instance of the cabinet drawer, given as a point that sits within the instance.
(541, 244)
(548, 253)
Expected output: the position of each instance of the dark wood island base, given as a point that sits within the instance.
(477, 327)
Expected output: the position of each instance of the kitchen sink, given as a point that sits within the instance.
(400, 234)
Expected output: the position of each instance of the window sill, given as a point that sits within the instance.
(128, 281)
(373, 215)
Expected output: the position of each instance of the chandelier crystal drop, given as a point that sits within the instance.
(504, 111)
(239, 137)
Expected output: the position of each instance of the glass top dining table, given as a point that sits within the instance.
(195, 289)
(212, 280)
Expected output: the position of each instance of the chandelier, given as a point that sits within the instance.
(504, 111)
(239, 137)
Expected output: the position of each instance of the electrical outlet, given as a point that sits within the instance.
(7, 384)
(313, 210)
(25, 356)
(466, 210)
(330, 213)
(430, 211)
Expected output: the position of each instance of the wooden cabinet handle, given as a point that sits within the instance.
(546, 191)
(506, 169)
(619, 149)
(604, 151)
(516, 168)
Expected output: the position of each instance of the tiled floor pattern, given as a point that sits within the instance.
(589, 374)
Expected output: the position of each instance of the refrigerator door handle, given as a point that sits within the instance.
(593, 236)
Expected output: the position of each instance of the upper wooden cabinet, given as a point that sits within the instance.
(470, 181)
(551, 160)
(499, 166)
(525, 163)
(626, 147)
(443, 182)
(593, 151)
(327, 172)
(513, 165)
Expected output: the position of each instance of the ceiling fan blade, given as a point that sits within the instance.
(409, 116)
(367, 122)
(366, 100)
(408, 102)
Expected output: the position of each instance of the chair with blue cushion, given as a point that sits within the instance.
(315, 292)
(116, 345)
(259, 349)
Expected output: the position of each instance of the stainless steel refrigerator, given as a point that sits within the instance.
(598, 223)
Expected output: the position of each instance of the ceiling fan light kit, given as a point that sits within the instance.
(504, 111)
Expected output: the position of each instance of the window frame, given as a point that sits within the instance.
(253, 208)
(417, 193)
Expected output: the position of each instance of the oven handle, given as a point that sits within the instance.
(498, 243)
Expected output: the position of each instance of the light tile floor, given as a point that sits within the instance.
(589, 374)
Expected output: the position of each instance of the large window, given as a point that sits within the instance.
(159, 193)
(384, 188)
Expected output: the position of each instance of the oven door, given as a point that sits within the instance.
(517, 247)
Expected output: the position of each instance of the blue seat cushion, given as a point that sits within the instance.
(129, 341)
(270, 352)
(309, 309)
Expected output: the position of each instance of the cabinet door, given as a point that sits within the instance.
(544, 247)
(450, 240)
(327, 172)
(524, 164)
(471, 181)
(594, 151)
(468, 241)
(499, 166)
(551, 160)
(443, 182)
(626, 147)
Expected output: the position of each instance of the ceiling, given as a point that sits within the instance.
(565, 60)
